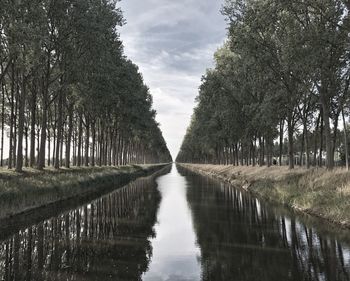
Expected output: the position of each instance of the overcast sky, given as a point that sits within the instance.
(173, 44)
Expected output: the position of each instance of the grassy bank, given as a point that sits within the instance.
(20, 192)
(318, 192)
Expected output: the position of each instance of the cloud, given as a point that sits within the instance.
(173, 44)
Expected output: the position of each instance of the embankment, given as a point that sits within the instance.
(33, 189)
(317, 192)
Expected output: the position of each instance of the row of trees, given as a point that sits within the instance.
(282, 76)
(68, 93)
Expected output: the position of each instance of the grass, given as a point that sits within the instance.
(318, 192)
(20, 192)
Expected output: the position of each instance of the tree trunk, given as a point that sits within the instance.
(253, 152)
(87, 141)
(69, 135)
(315, 140)
(307, 149)
(290, 142)
(101, 137)
(263, 151)
(80, 136)
(301, 160)
(15, 121)
(42, 149)
(53, 123)
(38, 133)
(119, 150)
(321, 140)
(45, 93)
(32, 126)
(2, 122)
(93, 128)
(237, 154)
(75, 147)
(281, 142)
(327, 128)
(22, 100)
(345, 142)
(110, 146)
(269, 145)
(11, 116)
(49, 145)
(61, 148)
(59, 131)
(260, 152)
(26, 162)
(335, 135)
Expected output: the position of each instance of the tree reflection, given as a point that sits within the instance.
(107, 239)
(242, 239)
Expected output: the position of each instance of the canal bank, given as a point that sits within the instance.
(32, 189)
(317, 192)
(172, 225)
(104, 238)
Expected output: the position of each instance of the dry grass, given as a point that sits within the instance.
(319, 192)
(32, 188)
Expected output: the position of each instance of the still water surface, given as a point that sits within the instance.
(179, 226)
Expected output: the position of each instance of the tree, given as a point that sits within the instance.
(284, 62)
(66, 84)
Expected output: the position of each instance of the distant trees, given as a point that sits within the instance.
(68, 93)
(284, 71)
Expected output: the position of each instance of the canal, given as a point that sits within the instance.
(171, 227)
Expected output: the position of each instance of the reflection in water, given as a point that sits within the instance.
(106, 239)
(175, 254)
(242, 239)
(205, 231)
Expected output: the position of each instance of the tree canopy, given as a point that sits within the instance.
(69, 94)
(283, 74)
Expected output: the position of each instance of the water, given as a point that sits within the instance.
(175, 253)
(179, 226)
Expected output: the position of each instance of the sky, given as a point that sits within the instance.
(173, 43)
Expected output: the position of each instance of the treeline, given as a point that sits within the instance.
(69, 96)
(282, 77)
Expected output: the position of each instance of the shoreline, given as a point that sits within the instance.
(316, 192)
(32, 190)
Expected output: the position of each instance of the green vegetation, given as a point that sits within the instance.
(281, 79)
(33, 188)
(318, 192)
(68, 94)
